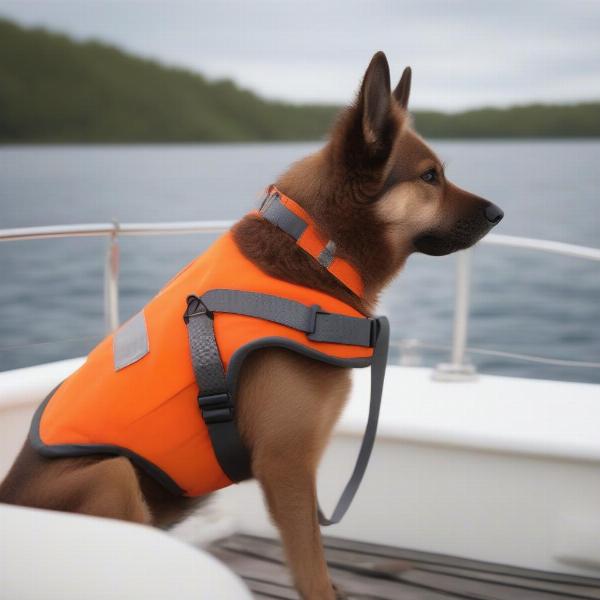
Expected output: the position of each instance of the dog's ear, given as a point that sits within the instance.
(363, 137)
(402, 91)
(374, 101)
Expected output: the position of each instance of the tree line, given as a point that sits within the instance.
(54, 89)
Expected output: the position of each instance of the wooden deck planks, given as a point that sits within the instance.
(382, 572)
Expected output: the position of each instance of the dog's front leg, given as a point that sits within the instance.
(290, 493)
(288, 405)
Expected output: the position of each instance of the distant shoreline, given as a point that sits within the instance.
(54, 90)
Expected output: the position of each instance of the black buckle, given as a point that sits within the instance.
(216, 408)
(195, 308)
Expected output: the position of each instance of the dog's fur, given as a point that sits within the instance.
(380, 193)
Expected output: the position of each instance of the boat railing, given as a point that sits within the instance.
(458, 367)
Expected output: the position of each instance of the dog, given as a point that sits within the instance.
(380, 193)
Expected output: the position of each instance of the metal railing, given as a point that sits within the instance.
(457, 369)
(112, 231)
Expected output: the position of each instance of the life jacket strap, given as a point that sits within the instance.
(320, 326)
(214, 399)
(289, 216)
(378, 366)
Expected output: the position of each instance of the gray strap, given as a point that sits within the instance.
(278, 214)
(214, 399)
(206, 361)
(263, 306)
(340, 329)
(274, 211)
(216, 404)
(327, 254)
(377, 376)
(320, 326)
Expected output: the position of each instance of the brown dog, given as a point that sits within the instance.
(380, 193)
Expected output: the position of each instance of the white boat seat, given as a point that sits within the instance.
(47, 555)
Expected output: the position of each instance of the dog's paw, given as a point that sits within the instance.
(340, 594)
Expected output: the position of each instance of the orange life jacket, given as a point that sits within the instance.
(139, 391)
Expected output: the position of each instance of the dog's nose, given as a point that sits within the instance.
(493, 213)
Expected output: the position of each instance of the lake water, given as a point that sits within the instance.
(51, 297)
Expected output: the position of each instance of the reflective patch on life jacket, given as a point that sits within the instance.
(130, 342)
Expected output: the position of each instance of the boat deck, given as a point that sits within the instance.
(383, 572)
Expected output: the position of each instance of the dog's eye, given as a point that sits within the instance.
(430, 176)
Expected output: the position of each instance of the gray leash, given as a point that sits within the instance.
(378, 366)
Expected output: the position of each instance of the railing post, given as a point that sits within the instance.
(458, 369)
(111, 281)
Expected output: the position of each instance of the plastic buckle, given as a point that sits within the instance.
(195, 308)
(216, 408)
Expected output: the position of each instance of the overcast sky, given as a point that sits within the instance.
(463, 53)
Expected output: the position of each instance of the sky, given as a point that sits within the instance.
(464, 53)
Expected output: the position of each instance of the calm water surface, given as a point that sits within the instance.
(51, 294)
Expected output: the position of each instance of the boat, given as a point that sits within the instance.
(480, 486)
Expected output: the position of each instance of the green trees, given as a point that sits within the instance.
(53, 89)
(530, 121)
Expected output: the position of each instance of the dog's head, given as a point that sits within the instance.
(380, 191)
(414, 196)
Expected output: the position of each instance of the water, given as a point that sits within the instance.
(51, 296)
